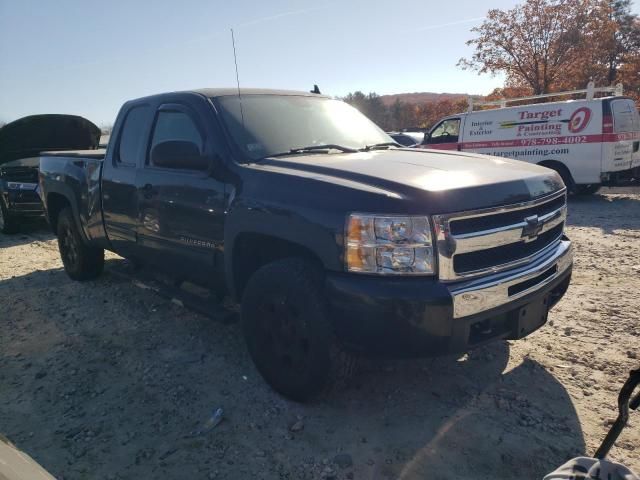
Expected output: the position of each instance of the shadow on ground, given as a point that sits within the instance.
(29, 231)
(102, 379)
(615, 210)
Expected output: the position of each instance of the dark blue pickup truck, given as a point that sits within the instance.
(334, 240)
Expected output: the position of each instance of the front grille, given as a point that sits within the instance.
(487, 222)
(491, 257)
(491, 240)
(19, 174)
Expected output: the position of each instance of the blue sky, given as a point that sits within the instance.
(87, 57)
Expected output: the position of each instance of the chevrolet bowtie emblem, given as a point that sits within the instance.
(532, 228)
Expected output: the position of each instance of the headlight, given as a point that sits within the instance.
(389, 245)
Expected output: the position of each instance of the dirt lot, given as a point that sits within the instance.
(108, 380)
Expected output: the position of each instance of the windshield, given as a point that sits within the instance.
(274, 124)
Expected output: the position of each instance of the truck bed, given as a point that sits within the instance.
(75, 174)
(95, 154)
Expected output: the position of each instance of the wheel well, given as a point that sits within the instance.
(252, 251)
(55, 204)
(562, 169)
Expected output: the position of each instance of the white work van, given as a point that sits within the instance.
(590, 142)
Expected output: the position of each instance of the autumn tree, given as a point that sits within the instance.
(554, 45)
(622, 40)
(532, 43)
(607, 48)
(371, 105)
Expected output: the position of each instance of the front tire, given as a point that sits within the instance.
(8, 224)
(81, 261)
(288, 331)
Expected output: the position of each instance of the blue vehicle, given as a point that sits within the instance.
(21, 142)
(335, 242)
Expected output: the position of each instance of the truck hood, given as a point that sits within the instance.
(28, 136)
(452, 181)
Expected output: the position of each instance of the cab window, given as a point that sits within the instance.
(132, 138)
(446, 132)
(173, 125)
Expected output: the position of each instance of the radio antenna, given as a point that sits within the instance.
(235, 59)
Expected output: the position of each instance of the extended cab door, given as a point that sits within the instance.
(119, 190)
(444, 136)
(182, 204)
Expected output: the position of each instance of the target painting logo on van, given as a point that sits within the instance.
(579, 119)
(547, 122)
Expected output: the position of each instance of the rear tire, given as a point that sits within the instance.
(586, 189)
(288, 331)
(81, 261)
(8, 224)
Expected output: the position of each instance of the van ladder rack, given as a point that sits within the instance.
(589, 92)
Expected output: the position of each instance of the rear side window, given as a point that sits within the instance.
(172, 125)
(132, 139)
(625, 116)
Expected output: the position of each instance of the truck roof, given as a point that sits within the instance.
(233, 91)
(225, 92)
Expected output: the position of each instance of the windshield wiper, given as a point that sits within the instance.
(314, 149)
(379, 146)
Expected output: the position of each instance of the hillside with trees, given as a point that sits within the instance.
(392, 113)
(541, 46)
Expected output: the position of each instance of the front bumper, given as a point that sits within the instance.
(23, 203)
(476, 296)
(425, 317)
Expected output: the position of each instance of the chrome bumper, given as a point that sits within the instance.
(482, 294)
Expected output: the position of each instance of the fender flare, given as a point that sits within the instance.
(319, 240)
(65, 191)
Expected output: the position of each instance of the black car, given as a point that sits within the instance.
(21, 142)
(403, 139)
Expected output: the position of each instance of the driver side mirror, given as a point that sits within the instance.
(179, 154)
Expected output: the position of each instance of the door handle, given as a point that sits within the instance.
(149, 191)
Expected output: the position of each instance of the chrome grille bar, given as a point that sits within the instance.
(519, 233)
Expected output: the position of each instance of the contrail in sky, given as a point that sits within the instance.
(280, 15)
(459, 22)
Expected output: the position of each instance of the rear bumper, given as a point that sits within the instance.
(425, 317)
(621, 178)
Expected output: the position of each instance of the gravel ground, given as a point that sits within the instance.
(108, 380)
